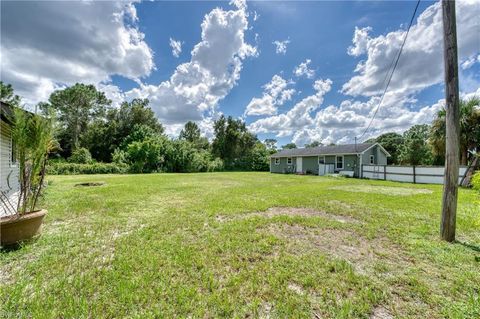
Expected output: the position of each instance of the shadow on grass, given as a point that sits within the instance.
(475, 248)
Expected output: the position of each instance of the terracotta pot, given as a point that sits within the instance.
(14, 229)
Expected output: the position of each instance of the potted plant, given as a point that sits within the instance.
(33, 138)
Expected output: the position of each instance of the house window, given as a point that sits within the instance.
(339, 162)
(321, 160)
(289, 161)
(277, 161)
(372, 159)
(13, 152)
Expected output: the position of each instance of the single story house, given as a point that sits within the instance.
(344, 159)
(9, 170)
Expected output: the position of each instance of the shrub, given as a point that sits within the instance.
(81, 156)
(476, 181)
(59, 168)
(119, 156)
(215, 165)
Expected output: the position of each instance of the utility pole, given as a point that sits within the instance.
(450, 186)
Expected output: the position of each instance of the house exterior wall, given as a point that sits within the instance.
(282, 167)
(9, 172)
(310, 164)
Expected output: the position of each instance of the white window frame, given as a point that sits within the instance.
(372, 159)
(277, 161)
(289, 161)
(336, 161)
(321, 157)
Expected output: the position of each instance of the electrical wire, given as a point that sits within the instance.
(391, 73)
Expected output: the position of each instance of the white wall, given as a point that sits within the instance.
(8, 173)
(423, 174)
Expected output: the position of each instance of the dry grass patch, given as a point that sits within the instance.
(385, 190)
(289, 211)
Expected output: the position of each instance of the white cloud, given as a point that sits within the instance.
(421, 63)
(275, 93)
(360, 41)
(469, 62)
(303, 70)
(46, 45)
(281, 46)
(176, 47)
(195, 87)
(298, 117)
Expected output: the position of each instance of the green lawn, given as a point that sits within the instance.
(244, 245)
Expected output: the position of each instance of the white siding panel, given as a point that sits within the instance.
(8, 172)
(423, 174)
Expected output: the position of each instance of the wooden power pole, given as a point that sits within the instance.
(450, 186)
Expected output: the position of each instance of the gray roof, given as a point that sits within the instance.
(324, 150)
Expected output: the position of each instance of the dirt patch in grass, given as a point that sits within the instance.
(385, 190)
(380, 312)
(360, 252)
(289, 211)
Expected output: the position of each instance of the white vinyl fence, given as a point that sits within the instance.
(410, 174)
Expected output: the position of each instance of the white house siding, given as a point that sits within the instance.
(9, 184)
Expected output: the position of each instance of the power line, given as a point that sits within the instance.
(391, 73)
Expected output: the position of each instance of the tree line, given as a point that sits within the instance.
(91, 132)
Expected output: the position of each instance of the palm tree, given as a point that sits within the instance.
(469, 130)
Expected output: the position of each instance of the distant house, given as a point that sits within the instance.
(345, 159)
(9, 170)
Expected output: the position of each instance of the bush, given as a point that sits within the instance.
(476, 181)
(215, 165)
(59, 168)
(81, 156)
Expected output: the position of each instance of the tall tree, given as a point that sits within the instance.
(105, 135)
(7, 95)
(391, 142)
(233, 143)
(76, 107)
(415, 149)
(289, 146)
(190, 133)
(270, 144)
(469, 130)
(314, 144)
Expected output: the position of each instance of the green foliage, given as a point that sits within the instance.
(33, 139)
(119, 156)
(105, 134)
(314, 144)
(233, 143)
(259, 158)
(7, 95)
(62, 168)
(147, 155)
(81, 156)
(476, 181)
(76, 106)
(469, 131)
(289, 146)
(415, 149)
(271, 145)
(190, 133)
(392, 143)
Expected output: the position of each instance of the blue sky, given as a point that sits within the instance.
(345, 47)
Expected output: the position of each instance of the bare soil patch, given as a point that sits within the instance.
(385, 190)
(289, 211)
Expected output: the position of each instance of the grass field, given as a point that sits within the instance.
(244, 245)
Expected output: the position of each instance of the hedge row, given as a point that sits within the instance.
(62, 168)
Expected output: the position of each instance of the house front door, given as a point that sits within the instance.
(299, 165)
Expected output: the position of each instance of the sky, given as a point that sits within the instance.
(295, 71)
